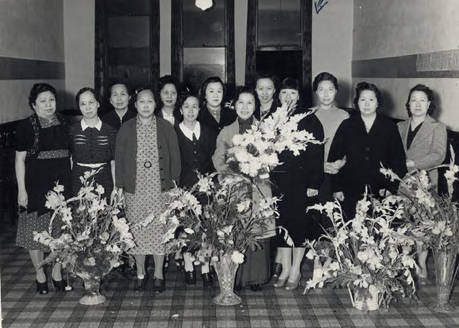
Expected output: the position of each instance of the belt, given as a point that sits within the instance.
(92, 165)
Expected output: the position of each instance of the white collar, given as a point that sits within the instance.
(168, 117)
(98, 125)
(189, 133)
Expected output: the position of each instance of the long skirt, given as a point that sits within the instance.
(256, 268)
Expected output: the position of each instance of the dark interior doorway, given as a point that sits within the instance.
(280, 63)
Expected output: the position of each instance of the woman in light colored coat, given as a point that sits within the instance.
(256, 269)
(424, 141)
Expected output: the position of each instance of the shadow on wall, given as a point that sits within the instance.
(438, 105)
(388, 105)
(344, 97)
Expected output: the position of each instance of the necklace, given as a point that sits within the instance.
(148, 126)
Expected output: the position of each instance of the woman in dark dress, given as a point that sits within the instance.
(119, 99)
(197, 144)
(213, 113)
(167, 104)
(367, 139)
(42, 158)
(92, 144)
(297, 180)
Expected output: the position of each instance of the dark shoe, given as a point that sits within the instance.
(59, 285)
(237, 287)
(129, 273)
(166, 264)
(140, 284)
(180, 265)
(277, 269)
(159, 285)
(255, 287)
(190, 277)
(206, 280)
(42, 287)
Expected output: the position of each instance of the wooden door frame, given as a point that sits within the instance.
(101, 83)
(251, 45)
(177, 42)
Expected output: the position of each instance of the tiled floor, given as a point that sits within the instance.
(183, 306)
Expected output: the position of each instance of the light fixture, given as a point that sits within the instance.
(204, 4)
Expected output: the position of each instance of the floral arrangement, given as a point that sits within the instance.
(255, 153)
(433, 217)
(370, 254)
(225, 213)
(94, 233)
(433, 221)
(216, 216)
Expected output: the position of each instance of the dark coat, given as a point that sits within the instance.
(227, 116)
(274, 106)
(365, 152)
(196, 156)
(293, 177)
(126, 155)
(112, 119)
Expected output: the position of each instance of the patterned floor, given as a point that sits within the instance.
(183, 306)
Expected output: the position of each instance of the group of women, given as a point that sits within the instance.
(174, 133)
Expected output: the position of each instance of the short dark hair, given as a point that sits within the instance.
(117, 83)
(38, 88)
(162, 82)
(324, 76)
(244, 89)
(83, 90)
(362, 86)
(273, 78)
(202, 91)
(184, 96)
(289, 83)
(430, 97)
(139, 90)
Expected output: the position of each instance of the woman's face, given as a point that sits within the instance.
(168, 95)
(265, 90)
(190, 109)
(326, 93)
(119, 96)
(368, 103)
(145, 104)
(245, 106)
(88, 105)
(45, 104)
(289, 96)
(214, 94)
(419, 104)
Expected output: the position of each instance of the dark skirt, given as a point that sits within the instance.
(325, 195)
(256, 268)
(27, 224)
(41, 176)
(103, 177)
(293, 217)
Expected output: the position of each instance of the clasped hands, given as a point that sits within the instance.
(334, 167)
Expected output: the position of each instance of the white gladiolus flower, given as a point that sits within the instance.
(100, 190)
(237, 257)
